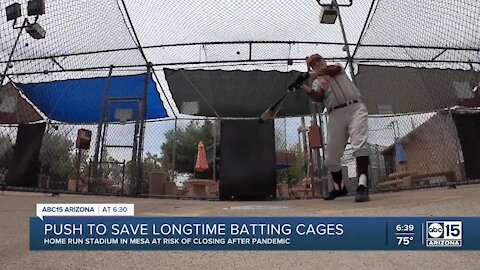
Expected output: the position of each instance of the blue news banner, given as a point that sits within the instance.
(254, 233)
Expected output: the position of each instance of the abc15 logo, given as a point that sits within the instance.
(448, 230)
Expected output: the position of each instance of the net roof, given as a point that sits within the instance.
(84, 38)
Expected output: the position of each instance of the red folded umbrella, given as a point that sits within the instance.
(202, 163)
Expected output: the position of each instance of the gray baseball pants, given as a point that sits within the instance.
(350, 121)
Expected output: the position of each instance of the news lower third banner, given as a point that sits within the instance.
(128, 232)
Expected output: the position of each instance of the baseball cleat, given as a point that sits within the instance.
(336, 193)
(362, 194)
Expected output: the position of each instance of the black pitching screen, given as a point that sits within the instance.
(24, 169)
(247, 160)
(468, 127)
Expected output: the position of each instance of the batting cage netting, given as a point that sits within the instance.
(114, 96)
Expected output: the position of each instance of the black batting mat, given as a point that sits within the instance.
(25, 168)
(247, 160)
(468, 128)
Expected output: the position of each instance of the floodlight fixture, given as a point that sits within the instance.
(329, 14)
(35, 30)
(36, 7)
(13, 11)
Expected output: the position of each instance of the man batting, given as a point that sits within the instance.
(347, 118)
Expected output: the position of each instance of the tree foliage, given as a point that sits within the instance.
(186, 146)
(56, 157)
(6, 153)
(294, 174)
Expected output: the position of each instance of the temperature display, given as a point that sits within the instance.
(405, 234)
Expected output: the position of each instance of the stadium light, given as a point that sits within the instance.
(329, 14)
(329, 11)
(35, 30)
(13, 11)
(36, 7)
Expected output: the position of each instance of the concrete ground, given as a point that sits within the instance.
(16, 208)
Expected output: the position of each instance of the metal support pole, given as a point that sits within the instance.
(174, 147)
(100, 126)
(306, 158)
(123, 177)
(324, 169)
(315, 153)
(214, 150)
(4, 74)
(143, 114)
(346, 47)
(378, 167)
(301, 167)
(324, 135)
(134, 165)
(102, 143)
(320, 161)
(79, 160)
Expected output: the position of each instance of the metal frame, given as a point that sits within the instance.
(263, 61)
(139, 133)
(346, 47)
(240, 43)
(101, 121)
(10, 60)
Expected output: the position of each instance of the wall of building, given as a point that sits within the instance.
(433, 147)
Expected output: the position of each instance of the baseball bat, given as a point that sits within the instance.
(272, 111)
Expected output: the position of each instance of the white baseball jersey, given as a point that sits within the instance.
(338, 89)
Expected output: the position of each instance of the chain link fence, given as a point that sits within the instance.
(405, 152)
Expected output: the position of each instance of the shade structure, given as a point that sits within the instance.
(80, 100)
(392, 89)
(236, 93)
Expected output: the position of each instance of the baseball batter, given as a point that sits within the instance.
(347, 118)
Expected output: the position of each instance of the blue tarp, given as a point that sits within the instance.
(80, 100)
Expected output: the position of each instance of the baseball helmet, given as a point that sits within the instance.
(312, 58)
